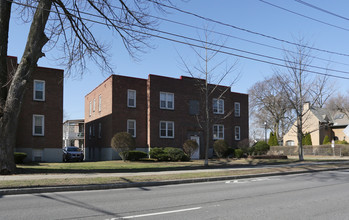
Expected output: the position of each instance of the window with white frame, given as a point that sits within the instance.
(90, 109)
(39, 90)
(166, 100)
(166, 129)
(94, 105)
(237, 133)
(131, 98)
(218, 132)
(100, 103)
(237, 109)
(38, 125)
(218, 106)
(131, 127)
(99, 130)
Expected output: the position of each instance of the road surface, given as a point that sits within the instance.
(323, 195)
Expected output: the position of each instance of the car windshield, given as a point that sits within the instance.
(73, 149)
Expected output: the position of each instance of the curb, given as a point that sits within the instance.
(31, 190)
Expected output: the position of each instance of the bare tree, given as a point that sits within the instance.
(209, 74)
(66, 25)
(300, 87)
(340, 103)
(268, 103)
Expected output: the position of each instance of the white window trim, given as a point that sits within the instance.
(218, 130)
(237, 113)
(237, 139)
(43, 125)
(135, 125)
(43, 92)
(90, 109)
(94, 105)
(128, 98)
(167, 100)
(218, 101)
(167, 123)
(100, 103)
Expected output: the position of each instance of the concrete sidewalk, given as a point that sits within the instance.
(127, 174)
(26, 190)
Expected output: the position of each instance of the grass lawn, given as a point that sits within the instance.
(121, 166)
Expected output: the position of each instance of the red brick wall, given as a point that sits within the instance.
(51, 108)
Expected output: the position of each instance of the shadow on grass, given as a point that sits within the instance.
(37, 168)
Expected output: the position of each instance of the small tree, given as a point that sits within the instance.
(307, 139)
(326, 140)
(273, 140)
(123, 142)
(189, 147)
(220, 148)
(261, 148)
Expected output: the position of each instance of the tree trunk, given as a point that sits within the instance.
(33, 51)
(300, 137)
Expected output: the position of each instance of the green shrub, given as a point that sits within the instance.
(238, 153)
(220, 147)
(326, 140)
(174, 154)
(307, 139)
(261, 148)
(185, 158)
(19, 157)
(341, 142)
(230, 152)
(123, 142)
(273, 141)
(135, 155)
(159, 154)
(189, 147)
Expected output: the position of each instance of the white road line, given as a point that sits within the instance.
(156, 213)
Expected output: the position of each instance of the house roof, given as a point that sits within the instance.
(324, 116)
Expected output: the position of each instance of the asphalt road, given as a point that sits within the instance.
(323, 195)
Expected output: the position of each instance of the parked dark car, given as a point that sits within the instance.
(72, 154)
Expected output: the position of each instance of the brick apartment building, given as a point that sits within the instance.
(161, 112)
(39, 132)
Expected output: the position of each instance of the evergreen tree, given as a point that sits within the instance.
(307, 139)
(273, 140)
(326, 140)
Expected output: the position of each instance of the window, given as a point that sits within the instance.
(99, 130)
(237, 133)
(93, 131)
(90, 132)
(90, 109)
(218, 106)
(194, 106)
(290, 143)
(100, 103)
(94, 105)
(166, 100)
(166, 129)
(131, 98)
(38, 125)
(237, 109)
(39, 90)
(131, 127)
(218, 132)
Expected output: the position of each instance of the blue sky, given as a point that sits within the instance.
(252, 15)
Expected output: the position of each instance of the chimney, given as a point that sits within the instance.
(306, 106)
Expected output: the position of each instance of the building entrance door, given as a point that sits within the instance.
(196, 154)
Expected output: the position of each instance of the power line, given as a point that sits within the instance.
(197, 46)
(246, 30)
(321, 9)
(232, 36)
(299, 14)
